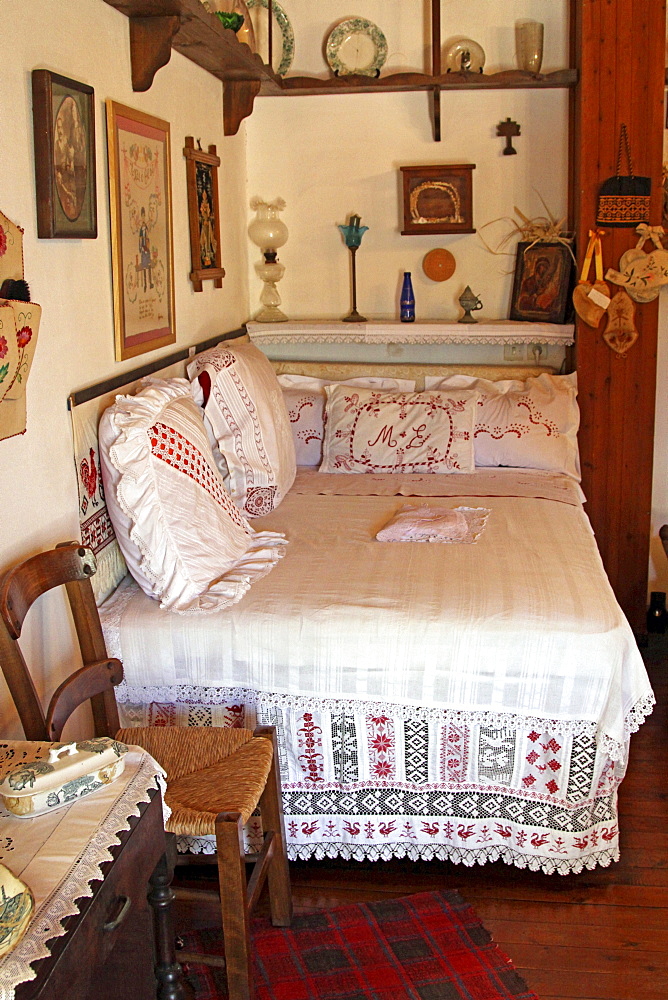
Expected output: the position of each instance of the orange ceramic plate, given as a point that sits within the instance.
(439, 265)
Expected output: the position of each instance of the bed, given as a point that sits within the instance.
(465, 701)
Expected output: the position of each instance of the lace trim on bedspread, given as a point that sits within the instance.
(428, 852)
(192, 694)
(17, 966)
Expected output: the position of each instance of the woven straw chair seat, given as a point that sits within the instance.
(209, 770)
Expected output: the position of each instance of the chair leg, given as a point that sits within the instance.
(271, 806)
(234, 909)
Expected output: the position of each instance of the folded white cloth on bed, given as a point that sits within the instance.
(429, 524)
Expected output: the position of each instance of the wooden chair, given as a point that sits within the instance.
(215, 776)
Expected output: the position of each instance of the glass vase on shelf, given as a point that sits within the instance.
(234, 14)
(529, 44)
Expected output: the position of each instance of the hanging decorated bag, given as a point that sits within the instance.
(591, 301)
(624, 199)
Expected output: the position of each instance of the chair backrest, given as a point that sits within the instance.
(71, 565)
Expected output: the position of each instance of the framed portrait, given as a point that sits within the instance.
(204, 214)
(140, 198)
(438, 199)
(542, 283)
(64, 137)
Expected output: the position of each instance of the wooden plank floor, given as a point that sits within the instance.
(600, 935)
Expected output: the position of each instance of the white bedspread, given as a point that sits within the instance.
(520, 626)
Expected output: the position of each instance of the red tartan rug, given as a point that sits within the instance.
(430, 946)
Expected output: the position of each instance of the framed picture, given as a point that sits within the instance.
(204, 214)
(64, 136)
(140, 197)
(438, 199)
(542, 283)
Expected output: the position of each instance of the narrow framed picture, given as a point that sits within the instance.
(438, 199)
(140, 198)
(64, 137)
(204, 214)
(542, 282)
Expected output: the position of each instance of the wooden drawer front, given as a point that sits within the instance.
(109, 952)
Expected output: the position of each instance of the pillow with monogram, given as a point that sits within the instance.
(530, 425)
(184, 540)
(305, 401)
(371, 431)
(248, 420)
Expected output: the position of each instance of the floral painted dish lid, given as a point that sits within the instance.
(356, 46)
(68, 771)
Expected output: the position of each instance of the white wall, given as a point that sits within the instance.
(88, 40)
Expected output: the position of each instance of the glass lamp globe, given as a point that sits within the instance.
(267, 230)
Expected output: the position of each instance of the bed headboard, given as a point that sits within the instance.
(88, 404)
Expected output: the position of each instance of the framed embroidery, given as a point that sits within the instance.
(204, 214)
(542, 283)
(438, 199)
(140, 196)
(64, 137)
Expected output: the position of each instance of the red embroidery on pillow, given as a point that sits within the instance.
(260, 500)
(295, 413)
(519, 429)
(181, 454)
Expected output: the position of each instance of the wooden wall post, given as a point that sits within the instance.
(619, 52)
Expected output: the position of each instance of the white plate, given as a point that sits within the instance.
(356, 46)
(283, 43)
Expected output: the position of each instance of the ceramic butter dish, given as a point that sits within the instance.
(70, 771)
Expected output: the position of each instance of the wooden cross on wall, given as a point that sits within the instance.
(508, 129)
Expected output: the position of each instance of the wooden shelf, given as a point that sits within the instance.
(506, 80)
(158, 26)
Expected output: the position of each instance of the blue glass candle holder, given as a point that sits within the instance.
(352, 235)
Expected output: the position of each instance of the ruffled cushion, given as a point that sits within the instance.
(369, 431)
(527, 425)
(244, 408)
(184, 540)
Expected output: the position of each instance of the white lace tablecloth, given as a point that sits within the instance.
(59, 854)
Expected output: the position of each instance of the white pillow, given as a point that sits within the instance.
(531, 425)
(305, 401)
(371, 431)
(244, 408)
(184, 540)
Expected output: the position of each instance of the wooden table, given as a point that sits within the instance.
(119, 940)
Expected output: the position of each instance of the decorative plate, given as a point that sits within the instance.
(464, 55)
(439, 264)
(356, 46)
(285, 28)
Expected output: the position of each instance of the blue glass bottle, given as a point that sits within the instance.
(407, 313)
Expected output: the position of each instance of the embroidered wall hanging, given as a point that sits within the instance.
(19, 324)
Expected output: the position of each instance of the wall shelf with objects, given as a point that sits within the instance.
(158, 26)
(498, 342)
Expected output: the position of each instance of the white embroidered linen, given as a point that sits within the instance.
(58, 855)
(521, 628)
(305, 401)
(369, 431)
(530, 424)
(248, 420)
(425, 524)
(184, 540)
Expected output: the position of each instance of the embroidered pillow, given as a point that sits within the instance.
(247, 418)
(371, 431)
(531, 425)
(305, 401)
(184, 540)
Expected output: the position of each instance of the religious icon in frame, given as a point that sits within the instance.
(204, 214)
(140, 197)
(64, 136)
(542, 283)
